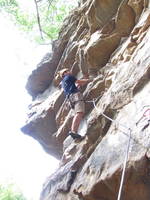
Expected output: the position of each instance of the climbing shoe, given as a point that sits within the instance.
(75, 135)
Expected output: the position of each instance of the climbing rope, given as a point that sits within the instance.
(124, 166)
(118, 123)
(127, 149)
(126, 155)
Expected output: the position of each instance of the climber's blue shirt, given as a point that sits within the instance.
(68, 84)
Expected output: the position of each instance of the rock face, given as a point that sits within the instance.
(110, 41)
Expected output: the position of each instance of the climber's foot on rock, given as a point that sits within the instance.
(75, 136)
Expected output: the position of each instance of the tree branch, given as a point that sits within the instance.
(38, 19)
(50, 3)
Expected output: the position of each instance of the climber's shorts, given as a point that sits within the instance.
(77, 99)
(79, 107)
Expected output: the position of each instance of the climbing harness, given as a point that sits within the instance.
(71, 104)
(74, 98)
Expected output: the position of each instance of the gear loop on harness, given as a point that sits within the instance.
(74, 98)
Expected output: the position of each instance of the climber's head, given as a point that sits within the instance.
(60, 75)
(63, 72)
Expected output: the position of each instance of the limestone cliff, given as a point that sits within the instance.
(110, 41)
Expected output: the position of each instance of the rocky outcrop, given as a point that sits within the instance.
(109, 41)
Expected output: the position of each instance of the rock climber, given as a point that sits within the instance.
(71, 86)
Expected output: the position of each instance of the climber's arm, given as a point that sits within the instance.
(82, 82)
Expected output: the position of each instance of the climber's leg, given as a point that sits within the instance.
(76, 121)
(79, 110)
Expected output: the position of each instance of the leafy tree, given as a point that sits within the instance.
(44, 23)
(9, 192)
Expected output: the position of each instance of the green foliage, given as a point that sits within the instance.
(51, 14)
(8, 3)
(9, 192)
(23, 19)
(10, 6)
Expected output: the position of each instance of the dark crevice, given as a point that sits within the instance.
(142, 83)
